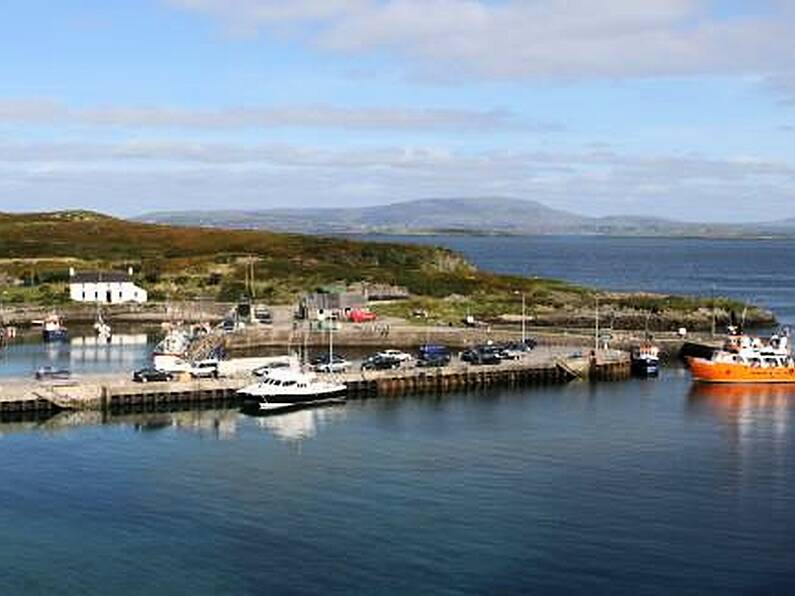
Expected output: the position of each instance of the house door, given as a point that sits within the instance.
(108, 297)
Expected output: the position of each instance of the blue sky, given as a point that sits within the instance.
(676, 108)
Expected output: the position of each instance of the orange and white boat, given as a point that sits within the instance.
(748, 360)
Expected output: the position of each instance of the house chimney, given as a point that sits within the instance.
(130, 271)
(71, 271)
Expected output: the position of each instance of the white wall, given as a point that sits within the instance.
(98, 292)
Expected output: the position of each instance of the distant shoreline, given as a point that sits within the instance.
(470, 216)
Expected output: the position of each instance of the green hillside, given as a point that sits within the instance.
(183, 263)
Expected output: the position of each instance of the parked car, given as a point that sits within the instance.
(360, 315)
(513, 350)
(276, 364)
(337, 364)
(433, 361)
(482, 355)
(52, 373)
(262, 315)
(380, 362)
(151, 375)
(398, 355)
(205, 369)
(431, 355)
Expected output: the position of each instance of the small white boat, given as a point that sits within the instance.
(285, 388)
(102, 328)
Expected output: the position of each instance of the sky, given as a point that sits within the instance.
(674, 108)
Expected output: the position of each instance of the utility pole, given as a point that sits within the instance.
(251, 261)
(330, 343)
(596, 327)
(713, 310)
(251, 291)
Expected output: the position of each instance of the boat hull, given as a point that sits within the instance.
(295, 399)
(645, 367)
(708, 371)
(52, 336)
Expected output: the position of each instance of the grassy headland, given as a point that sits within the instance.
(189, 263)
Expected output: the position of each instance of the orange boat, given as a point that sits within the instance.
(748, 361)
(711, 371)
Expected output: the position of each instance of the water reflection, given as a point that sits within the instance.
(81, 354)
(123, 349)
(301, 424)
(217, 423)
(746, 408)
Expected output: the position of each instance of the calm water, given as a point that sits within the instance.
(630, 488)
(639, 487)
(82, 354)
(758, 271)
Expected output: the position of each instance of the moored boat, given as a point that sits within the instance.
(747, 360)
(53, 329)
(646, 360)
(285, 388)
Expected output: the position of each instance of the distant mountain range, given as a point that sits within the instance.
(483, 216)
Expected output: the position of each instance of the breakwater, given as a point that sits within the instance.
(111, 392)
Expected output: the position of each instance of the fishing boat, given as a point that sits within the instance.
(288, 388)
(748, 360)
(53, 329)
(646, 360)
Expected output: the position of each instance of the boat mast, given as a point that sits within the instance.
(524, 319)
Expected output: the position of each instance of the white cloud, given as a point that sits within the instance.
(143, 176)
(546, 38)
(320, 116)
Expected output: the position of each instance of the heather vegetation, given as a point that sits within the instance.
(184, 263)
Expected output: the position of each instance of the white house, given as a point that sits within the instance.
(107, 288)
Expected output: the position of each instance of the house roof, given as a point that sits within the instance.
(92, 277)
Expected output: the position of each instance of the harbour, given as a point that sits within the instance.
(536, 463)
(397, 297)
(531, 483)
(101, 392)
